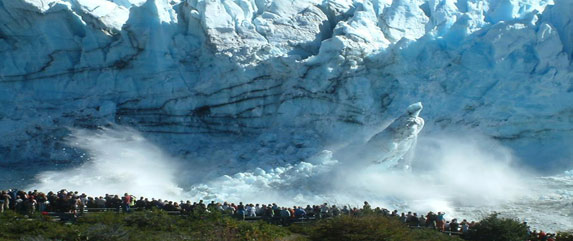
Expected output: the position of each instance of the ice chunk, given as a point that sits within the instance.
(389, 147)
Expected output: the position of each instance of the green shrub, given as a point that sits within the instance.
(140, 226)
(104, 232)
(153, 221)
(564, 237)
(35, 238)
(158, 225)
(15, 226)
(369, 227)
(494, 228)
(260, 231)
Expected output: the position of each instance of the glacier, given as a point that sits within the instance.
(234, 89)
(292, 75)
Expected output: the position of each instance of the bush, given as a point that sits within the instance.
(158, 225)
(153, 221)
(367, 228)
(494, 228)
(140, 226)
(16, 226)
(105, 232)
(564, 237)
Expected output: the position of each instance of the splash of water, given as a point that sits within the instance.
(121, 160)
(463, 176)
(448, 171)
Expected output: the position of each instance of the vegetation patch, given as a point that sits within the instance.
(160, 225)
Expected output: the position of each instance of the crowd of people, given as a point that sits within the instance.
(74, 203)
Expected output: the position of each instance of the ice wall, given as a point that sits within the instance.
(228, 82)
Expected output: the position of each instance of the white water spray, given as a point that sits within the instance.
(465, 176)
(121, 160)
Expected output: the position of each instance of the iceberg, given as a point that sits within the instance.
(390, 149)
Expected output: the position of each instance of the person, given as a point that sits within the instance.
(335, 211)
(201, 206)
(324, 210)
(421, 221)
(18, 204)
(269, 213)
(447, 226)
(115, 203)
(259, 211)
(403, 218)
(5, 198)
(299, 212)
(528, 228)
(291, 211)
(541, 235)
(42, 202)
(412, 219)
(169, 207)
(241, 211)
(355, 212)
(73, 204)
(84, 199)
(284, 214)
(80, 205)
(366, 209)
(551, 237)
(91, 203)
(29, 204)
(100, 202)
(345, 210)
(133, 199)
(225, 207)
(240, 207)
(454, 225)
(276, 210)
(186, 207)
(126, 202)
(431, 220)
(176, 207)
(13, 193)
(308, 211)
(159, 204)
(440, 221)
(251, 210)
(385, 212)
(140, 204)
(466, 226)
(231, 209)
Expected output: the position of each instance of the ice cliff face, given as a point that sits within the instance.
(268, 78)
